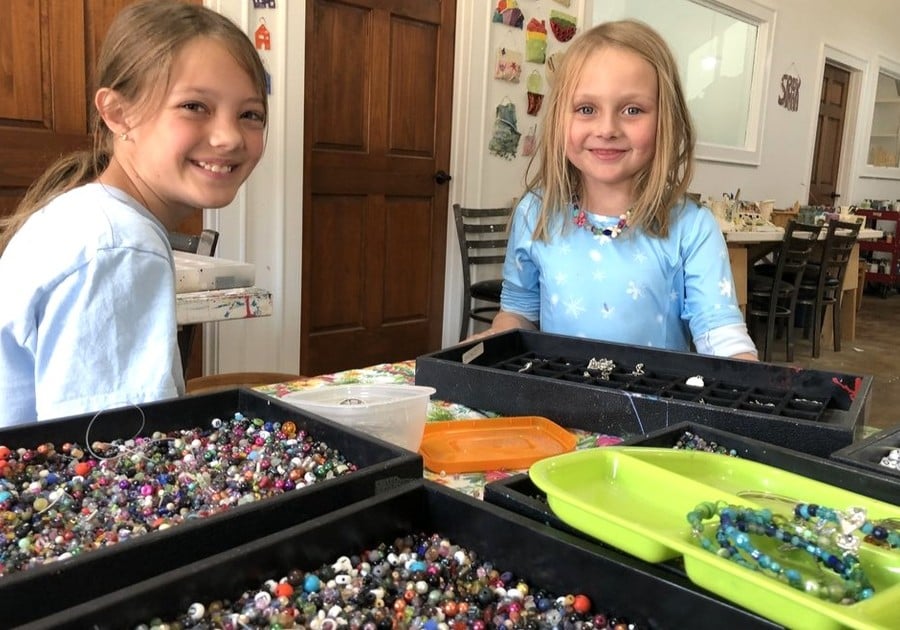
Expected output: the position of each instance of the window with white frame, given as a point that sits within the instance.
(884, 139)
(722, 48)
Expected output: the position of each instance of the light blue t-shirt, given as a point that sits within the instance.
(87, 317)
(634, 289)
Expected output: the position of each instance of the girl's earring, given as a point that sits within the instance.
(123, 136)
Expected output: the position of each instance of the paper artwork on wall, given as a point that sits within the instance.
(535, 93)
(790, 92)
(529, 142)
(509, 13)
(505, 141)
(261, 36)
(509, 65)
(563, 25)
(553, 62)
(536, 41)
(565, 3)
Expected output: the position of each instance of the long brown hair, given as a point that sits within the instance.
(136, 61)
(665, 180)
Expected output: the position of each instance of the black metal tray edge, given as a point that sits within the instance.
(382, 467)
(541, 554)
(865, 454)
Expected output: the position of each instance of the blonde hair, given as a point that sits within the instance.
(136, 60)
(665, 180)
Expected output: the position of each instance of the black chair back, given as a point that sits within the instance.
(483, 234)
(824, 286)
(774, 299)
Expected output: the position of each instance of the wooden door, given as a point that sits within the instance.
(377, 143)
(829, 132)
(48, 50)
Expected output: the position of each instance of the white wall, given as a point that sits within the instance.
(263, 225)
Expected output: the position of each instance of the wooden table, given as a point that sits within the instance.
(745, 248)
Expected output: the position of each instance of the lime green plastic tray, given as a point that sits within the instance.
(638, 498)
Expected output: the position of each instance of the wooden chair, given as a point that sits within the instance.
(483, 234)
(823, 283)
(773, 300)
(203, 244)
(219, 382)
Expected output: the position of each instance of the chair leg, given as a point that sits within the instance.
(819, 314)
(789, 347)
(836, 322)
(770, 338)
(466, 317)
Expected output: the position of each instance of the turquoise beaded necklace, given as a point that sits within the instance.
(733, 539)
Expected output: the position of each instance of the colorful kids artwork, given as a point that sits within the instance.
(505, 141)
(509, 65)
(535, 92)
(536, 41)
(562, 25)
(509, 13)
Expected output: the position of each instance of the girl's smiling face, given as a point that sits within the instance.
(204, 140)
(612, 122)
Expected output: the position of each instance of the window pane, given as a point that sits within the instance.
(884, 143)
(716, 55)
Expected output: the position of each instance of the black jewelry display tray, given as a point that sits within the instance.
(535, 373)
(53, 586)
(866, 455)
(617, 584)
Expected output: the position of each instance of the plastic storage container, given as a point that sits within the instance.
(536, 373)
(616, 584)
(205, 273)
(44, 589)
(394, 413)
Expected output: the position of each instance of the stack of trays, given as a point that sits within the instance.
(642, 389)
(561, 564)
(58, 585)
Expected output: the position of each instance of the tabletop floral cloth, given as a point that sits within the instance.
(404, 373)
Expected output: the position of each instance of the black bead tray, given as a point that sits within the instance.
(562, 564)
(57, 585)
(535, 373)
(866, 455)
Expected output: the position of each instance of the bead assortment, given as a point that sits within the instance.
(418, 582)
(847, 523)
(59, 501)
(842, 577)
(692, 442)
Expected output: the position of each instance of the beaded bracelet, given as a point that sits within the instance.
(733, 536)
(849, 521)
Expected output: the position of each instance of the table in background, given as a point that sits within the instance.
(438, 411)
(745, 248)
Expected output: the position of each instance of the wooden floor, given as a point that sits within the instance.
(875, 352)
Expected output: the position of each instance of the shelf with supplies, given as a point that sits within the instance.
(881, 258)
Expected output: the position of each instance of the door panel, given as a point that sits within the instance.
(829, 134)
(48, 52)
(374, 220)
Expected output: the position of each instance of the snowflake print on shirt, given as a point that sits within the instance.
(607, 311)
(633, 290)
(575, 308)
(725, 287)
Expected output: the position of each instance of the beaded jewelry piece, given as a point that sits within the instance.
(579, 217)
(848, 521)
(733, 541)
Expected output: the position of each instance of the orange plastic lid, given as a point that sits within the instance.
(456, 446)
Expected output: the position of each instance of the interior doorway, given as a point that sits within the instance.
(824, 188)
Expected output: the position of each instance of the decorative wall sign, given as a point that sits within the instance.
(790, 92)
(263, 4)
(262, 37)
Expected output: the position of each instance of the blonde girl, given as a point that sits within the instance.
(604, 243)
